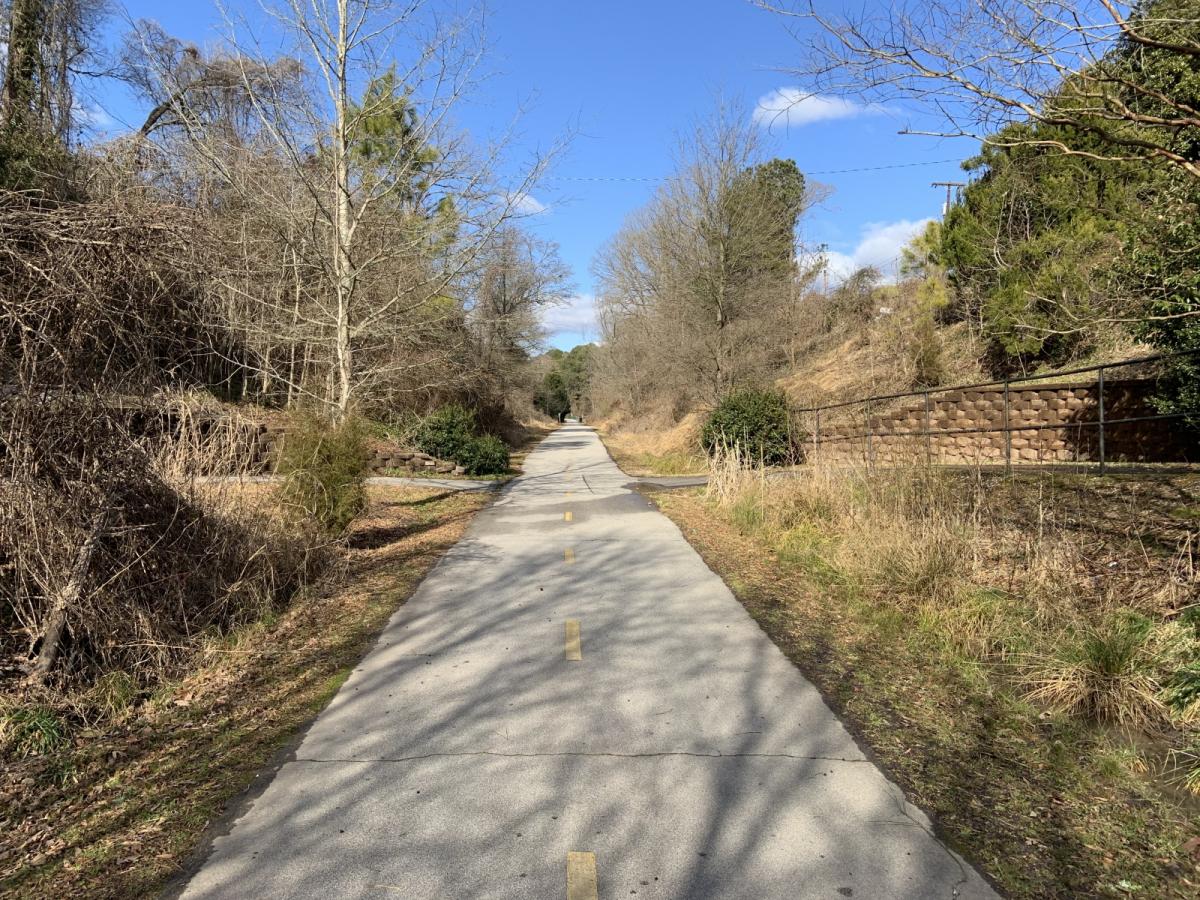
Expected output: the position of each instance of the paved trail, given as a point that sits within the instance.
(680, 756)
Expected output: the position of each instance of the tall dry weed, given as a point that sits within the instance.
(1083, 633)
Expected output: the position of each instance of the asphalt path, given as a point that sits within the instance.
(572, 705)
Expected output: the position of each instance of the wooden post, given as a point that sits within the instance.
(870, 438)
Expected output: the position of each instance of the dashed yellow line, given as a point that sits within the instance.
(581, 876)
(569, 556)
(568, 516)
(574, 651)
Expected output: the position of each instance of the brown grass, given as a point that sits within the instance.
(1002, 645)
(641, 448)
(115, 811)
(1049, 803)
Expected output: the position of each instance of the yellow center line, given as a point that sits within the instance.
(568, 516)
(569, 556)
(573, 650)
(581, 876)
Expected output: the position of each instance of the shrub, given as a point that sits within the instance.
(324, 471)
(446, 432)
(756, 422)
(925, 355)
(452, 433)
(485, 455)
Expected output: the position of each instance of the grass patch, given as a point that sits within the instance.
(1016, 654)
(31, 730)
(677, 452)
(113, 809)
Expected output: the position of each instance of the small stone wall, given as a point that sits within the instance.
(384, 459)
(1050, 423)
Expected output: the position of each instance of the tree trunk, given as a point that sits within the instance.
(68, 596)
(24, 33)
(343, 227)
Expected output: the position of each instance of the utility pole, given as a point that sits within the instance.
(948, 185)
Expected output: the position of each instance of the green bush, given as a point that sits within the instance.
(485, 455)
(451, 433)
(754, 421)
(324, 469)
(447, 432)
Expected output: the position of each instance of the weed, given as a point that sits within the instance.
(1182, 692)
(1106, 672)
(324, 472)
(1185, 766)
(31, 730)
(925, 566)
(1121, 762)
(112, 694)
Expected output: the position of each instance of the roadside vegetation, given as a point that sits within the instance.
(267, 277)
(106, 792)
(1020, 654)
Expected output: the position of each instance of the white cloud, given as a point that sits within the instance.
(527, 204)
(791, 106)
(879, 245)
(576, 315)
(94, 117)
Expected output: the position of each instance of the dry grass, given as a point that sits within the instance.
(112, 808)
(1008, 650)
(116, 558)
(652, 447)
(1094, 637)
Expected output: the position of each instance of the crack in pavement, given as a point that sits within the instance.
(902, 807)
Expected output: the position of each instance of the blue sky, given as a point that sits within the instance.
(626, 77)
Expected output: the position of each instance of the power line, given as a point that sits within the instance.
(635, 178)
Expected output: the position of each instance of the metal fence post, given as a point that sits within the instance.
(928, 431)
(870, 438)
(1101, 405)
(1007, 434)
(817, 434)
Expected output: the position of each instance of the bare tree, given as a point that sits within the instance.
(519, 276)
(704, 275)
(981, 65)
(47, 47)
(351, 168)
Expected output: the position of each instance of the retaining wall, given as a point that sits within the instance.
(1049, 423)
(267, 441)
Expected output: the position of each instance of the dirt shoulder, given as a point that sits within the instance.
(1044, 804)
(119, 812)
